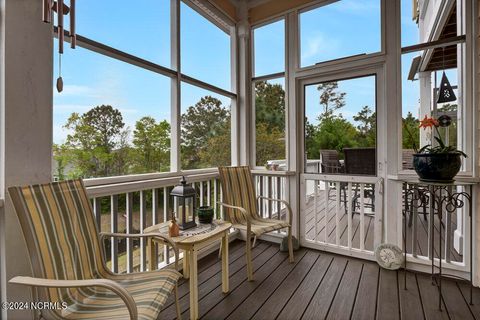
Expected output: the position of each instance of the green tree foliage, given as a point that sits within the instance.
(367, 128)
(330, 99)
(151, 141)
(332, 133)
(96, 145)
(270, 144)
(410, 132)
(202, 126)
(270, 105)
(269, 122)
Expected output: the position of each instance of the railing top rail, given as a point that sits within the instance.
(259, 172)
(132, 186)
(144, 177)
(341, 178)
(117, 185)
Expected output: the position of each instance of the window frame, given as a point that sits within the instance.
(346, 75)
(266, 77)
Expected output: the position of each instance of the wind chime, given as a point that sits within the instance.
(445, 91)
(50, 6)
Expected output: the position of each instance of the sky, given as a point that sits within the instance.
(344, 28)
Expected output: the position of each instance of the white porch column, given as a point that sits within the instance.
(425, 84)
(390, 225)
(294, 119)
(243, 130)
(26, 128)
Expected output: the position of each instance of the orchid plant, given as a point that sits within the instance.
(433, 124)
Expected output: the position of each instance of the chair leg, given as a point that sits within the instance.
(177, 303)
(249, 259)
(291, 259)
(254, 241)
(220, 251)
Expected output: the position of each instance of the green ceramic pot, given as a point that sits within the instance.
(205, 214)
(437, 166)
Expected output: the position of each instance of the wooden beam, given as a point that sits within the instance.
(226, 7)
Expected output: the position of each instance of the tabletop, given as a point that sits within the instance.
(197, 234)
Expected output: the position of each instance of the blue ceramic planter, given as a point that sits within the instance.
(433, 167)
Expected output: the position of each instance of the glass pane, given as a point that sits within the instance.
(111, 119)
(420, 98)
(269, 48)
(338, 30)
(429, 21)
(205, 138)
(141, 28)
(270, 123)
(205, 49)
(340, 127)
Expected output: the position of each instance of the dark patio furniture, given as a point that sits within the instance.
(330, 161)
(407, 164)
(361, 161)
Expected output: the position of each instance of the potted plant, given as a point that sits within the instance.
(436, 163)
(205, 214)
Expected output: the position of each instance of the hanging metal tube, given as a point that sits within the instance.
(73, 32)
(60, 25)
(47, 11)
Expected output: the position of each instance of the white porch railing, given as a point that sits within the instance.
(127, 205)
(341, 214)
(130, 207)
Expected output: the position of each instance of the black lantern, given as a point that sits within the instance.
(185, 204)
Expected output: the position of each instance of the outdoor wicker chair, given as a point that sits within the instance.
(69, 264)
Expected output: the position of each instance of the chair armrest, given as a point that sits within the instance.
(243, 211)
(157, 236)
(104, 283)
(287, 205)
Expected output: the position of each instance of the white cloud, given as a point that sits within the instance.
(69, 108)
(77, 90)
(318, 44)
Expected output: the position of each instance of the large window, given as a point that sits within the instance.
(270, 122)
(205, 49)
(142, 30)
(423, 65)
(112, 118)
(269, 95)
(340, 29)
(114, 115)
(269, 48)
(340, 127)
(205, 128)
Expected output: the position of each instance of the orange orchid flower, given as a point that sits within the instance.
(428, 122)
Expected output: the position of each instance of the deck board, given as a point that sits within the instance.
(275, 303)
(320, 285)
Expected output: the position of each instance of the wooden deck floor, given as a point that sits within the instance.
(328, 231)
(318, 286)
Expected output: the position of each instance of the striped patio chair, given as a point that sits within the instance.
(68, 260)
(242, 211)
